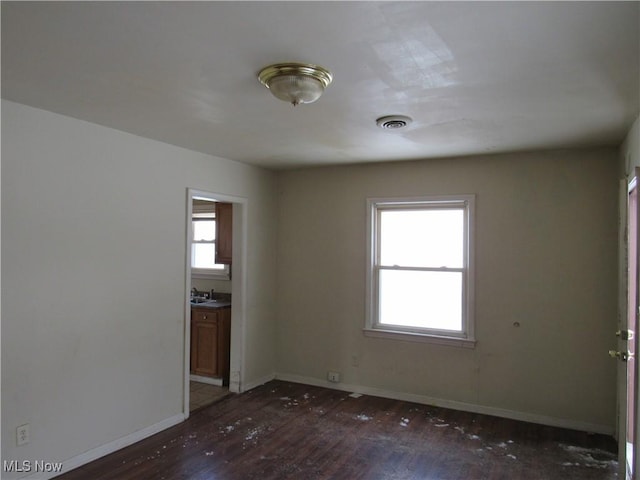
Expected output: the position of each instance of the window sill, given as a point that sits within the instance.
(209, 276)
(420, 337)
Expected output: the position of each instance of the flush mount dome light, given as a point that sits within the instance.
(295, 82)
(393, 122)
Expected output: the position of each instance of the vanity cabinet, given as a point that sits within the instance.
(210, 342)
(224, 232)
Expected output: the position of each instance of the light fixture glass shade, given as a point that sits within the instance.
(295, 82)
(296, 90)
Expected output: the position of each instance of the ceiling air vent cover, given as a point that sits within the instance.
(393, 122)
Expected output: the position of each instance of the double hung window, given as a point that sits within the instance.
(420, 274)
(203, 248)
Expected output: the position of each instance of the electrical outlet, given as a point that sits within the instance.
(333, 377)
(22, 434)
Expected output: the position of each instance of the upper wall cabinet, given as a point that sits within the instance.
(224, 229)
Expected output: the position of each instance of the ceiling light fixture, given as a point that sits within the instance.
(393, 122)
(295, 82)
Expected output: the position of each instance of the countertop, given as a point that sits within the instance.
(212, 304)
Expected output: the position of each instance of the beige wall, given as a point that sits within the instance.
(205, 285)
(93, 280)
(630, 150)
(546, 236)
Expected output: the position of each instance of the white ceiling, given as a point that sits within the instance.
(476, 77)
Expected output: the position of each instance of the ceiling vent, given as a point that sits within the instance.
(393, 122)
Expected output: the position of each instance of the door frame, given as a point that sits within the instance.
(238, 287)
(627, 185)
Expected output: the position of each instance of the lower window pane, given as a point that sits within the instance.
(204, 256)
(421, 299)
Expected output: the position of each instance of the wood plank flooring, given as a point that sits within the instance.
(284, 430)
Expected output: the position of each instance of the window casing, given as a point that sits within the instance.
(420, 269)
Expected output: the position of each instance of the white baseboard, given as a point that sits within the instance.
(134, 437)
(256, 383)
(110, 447)
(452, 404)
(208, 380)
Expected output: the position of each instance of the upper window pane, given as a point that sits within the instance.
(422, 238)
(204, 230)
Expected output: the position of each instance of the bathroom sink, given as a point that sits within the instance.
(210, 302)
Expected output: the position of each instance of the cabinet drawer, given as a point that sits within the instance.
(204, 316)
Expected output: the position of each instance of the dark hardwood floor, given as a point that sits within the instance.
(284, 430)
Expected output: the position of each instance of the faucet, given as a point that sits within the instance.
(194, 292)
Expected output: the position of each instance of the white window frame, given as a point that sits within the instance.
(463, 338)
(206, 273)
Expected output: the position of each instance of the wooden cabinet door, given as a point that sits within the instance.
(224, 232)
(204, 343)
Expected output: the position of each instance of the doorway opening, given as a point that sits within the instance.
(214, 297)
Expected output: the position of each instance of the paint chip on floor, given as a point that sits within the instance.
(591, 457)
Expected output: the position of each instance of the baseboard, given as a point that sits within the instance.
(256, 383)
(110, 447)
(208, 380)
(452, 404)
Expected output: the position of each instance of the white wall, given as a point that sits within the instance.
(546, 257)
(93, 279)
